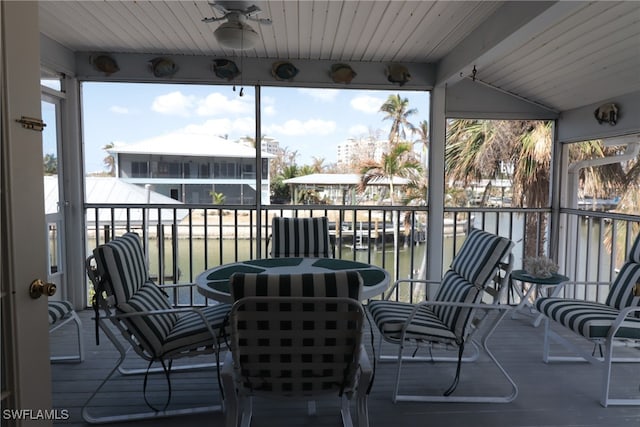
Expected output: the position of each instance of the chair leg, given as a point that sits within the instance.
(231, 405)
(396, 387)
(366, 374)
(76, 358)
(88, 417)
(475, 399)
(247, 411)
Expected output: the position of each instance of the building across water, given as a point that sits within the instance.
(192, 168)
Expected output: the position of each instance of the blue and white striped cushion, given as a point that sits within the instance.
(589, 319)
(300, 237)
(477, 260)
(125, 263)
(58, 310)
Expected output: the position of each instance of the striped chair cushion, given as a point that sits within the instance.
(455, 288)
(58, 310)
(190, 332)
(390, 316)
(300, 237)
(634, 253)
(625, 289)
(347, 284)
(477, 260)
(590, 319)
(151, 331)
(125, 263)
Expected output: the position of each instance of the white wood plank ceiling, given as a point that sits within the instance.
(560, 54)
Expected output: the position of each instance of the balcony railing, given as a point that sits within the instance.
(182, 241)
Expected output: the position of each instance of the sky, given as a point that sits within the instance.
(310, 121)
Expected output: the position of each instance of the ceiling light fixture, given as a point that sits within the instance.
(236, 33)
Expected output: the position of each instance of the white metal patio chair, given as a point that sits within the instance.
(60, 314)
(140, 311)
(296, 336)
(300, 237)
(609, 324)
(454, 317)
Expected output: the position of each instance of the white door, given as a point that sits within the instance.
(26, 373)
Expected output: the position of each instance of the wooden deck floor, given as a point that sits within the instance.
(550, 395)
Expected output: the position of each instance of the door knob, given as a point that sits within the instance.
(40, 287)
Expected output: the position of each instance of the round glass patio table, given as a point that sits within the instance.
(214, 283)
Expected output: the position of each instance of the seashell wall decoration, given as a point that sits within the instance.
(397, 73)
(105, 64)
(342, 73)
(225, 69)
(163, 67)
(284, 71)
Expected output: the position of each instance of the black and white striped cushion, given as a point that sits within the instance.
(190, 332)
(346, 284)
(477, 260)
(472, 269)
(623, 289)
(634, 252)
(390, 316)
(589, 319)
(300, 237)
(125, 263)
(152, 331)
(58, 310)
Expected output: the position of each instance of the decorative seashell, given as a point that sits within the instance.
(163, 67)
(284, 71)
(106, 64)
(342, 73)
(397, 73)
(225, 69)
(607, 113)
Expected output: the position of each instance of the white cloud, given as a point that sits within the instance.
(269, 106)
(174, 103)
(119, 109)
(358, 130)
(235, 128)
(217, 103)
(299, 128)
(320, 94)
(367, 104)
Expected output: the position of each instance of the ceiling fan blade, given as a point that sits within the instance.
(219, 8)
(251, 11)
(265, 21)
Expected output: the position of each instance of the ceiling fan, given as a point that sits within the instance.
(236, 33)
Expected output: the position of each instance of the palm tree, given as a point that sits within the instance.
(109, 160)
(401, 162)
(317, 164)
(50, 164)
(422, 130)
(397, 110)
(480, 149)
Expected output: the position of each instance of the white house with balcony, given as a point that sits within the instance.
(191, 167)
